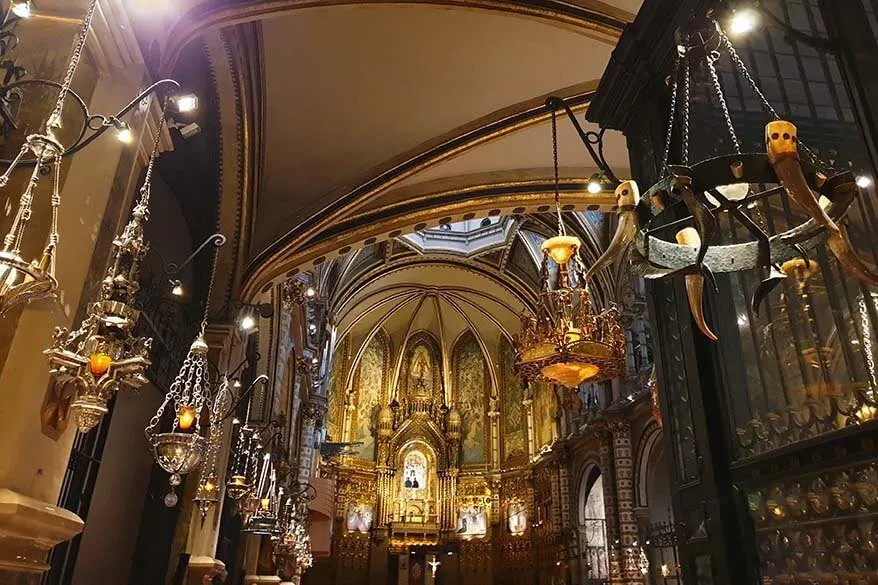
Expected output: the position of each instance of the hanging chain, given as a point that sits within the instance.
(146, 189)
(687, 92)
(54, 120)
(12, 241)
(561, 229)
(745, 73)
(718, 88)
(672, 116)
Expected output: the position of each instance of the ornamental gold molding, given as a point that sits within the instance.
(596, 19)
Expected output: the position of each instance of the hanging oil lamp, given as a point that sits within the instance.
(207, 494)
(23, 281)
(103, 355)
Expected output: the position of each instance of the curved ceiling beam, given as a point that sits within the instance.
(478, 308)
(355, 363)
(492, 370)
(345, 202)
(592, 17)
(428, 212)
(425, 289)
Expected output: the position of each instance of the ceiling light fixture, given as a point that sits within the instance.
(186, 103)
(565, 342)
(864, 181)
(743, 21)
(177, 288)
(22, 9)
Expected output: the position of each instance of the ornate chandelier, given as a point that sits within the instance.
(23, 281)
(102, 355)
(565, 342)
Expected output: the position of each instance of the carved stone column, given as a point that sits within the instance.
(608, 474)
(624, 475)
(314, 413)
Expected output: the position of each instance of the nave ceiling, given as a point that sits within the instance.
(360, 121)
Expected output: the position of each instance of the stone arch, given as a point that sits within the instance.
(652, 481)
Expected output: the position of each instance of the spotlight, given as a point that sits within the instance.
(124, 133)
(314, 360)
(594, 187)
(236, 384)
(186, 103)
(310, 292)
(864, 182)
(236, 421)
(190, 130)
(176, 288)
(247, 323)
(21, 9)
(743, 22)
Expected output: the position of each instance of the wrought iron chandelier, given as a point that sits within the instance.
(103, 355)
(24, 280)
(665, 246)
(565, 342)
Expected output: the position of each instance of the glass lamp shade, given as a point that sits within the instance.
(178, 453)
(570, 374)
(561, 248)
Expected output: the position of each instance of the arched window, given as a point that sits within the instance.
(593, 527)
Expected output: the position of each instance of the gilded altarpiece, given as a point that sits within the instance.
(545, 409)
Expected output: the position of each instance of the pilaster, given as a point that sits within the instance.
(620, 430)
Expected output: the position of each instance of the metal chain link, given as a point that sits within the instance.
(672, 116)
(561, 229)
(54, 120)
(146, 189)
(745, 73)
(711, 68)
(687, 95)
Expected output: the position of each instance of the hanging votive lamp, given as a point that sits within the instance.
(181, 450)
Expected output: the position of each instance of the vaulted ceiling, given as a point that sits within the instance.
(359, 121)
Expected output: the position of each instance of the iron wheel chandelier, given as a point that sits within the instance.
(565, 342)
(718, 185)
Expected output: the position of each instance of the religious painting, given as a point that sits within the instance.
(360, 518)
(470, 382)
(544, 414)
(370, 382)
(420, 378)
(512, 396)
(414, 477)
(472, 522)
(517, 518)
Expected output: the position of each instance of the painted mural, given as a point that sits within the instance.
(511, 395)
(370, 382)
(544, 414)
(335, 396)
(471, 385)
